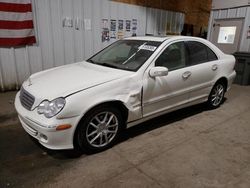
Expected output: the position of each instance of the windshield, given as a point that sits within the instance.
(125, 54)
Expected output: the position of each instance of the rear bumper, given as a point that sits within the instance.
(230, 79)
(44, 129)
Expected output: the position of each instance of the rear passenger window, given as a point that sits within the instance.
(211, 55)
(199, 53)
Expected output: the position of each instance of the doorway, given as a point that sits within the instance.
(226, 34)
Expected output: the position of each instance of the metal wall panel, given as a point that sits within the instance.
(241, 12)
(58, 45)
(245, 42)
(225, 4)
(161, 22)
(151, 27)
(233, 13)
(223, 13)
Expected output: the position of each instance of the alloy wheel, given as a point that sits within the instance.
(217, 95)
(102, 129)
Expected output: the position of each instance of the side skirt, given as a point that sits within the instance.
(136, 122)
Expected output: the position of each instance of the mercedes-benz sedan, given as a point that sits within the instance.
(86, 105)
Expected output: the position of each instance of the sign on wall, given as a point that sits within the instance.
(134, 27)
(117, 29)
(120, 33)
(105, 30)
(113, 29)
(128, 25)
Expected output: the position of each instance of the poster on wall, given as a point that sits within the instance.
(134, 27)
(105, 30)
(113, 29)
(128, 25)
(87, 24)
(120, 33)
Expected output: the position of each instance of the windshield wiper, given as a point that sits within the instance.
(91, 61)
(104, 64)
(108, 65)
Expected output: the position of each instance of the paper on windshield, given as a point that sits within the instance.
(147, 47)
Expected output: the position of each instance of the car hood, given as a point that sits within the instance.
(68, 79)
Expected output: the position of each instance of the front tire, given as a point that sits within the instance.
(216, 96)
(99, 129)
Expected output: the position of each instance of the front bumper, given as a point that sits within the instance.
(44, 129)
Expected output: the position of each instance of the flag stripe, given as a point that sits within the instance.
(8, 42)
(13, 7)
(14, 16)
(16, 23)
(28, 24)
(7, 33)
(16, 1)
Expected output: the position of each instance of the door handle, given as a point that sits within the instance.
(185, 75)
(214, 67)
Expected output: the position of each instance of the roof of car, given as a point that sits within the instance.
(177, 37)
(157, 38)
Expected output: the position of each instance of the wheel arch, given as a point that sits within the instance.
(224, 81)
(115, 103)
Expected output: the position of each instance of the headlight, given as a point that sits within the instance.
(51, 108)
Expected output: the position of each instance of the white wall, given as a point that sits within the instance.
(58, 45)
(160, 21)
(224, 4)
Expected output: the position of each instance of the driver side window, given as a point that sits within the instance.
(173, 57)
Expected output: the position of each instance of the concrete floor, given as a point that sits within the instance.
(193, 147)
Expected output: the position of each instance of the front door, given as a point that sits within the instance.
(166, 92)
(226, 34)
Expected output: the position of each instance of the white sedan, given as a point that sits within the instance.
(86, 105)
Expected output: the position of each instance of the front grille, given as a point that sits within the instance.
(27, 100)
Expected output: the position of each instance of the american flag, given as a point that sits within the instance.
(16, 23)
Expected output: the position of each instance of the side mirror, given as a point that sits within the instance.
(158, 71)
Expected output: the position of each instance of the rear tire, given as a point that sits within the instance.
(99, 129)
(216, 96)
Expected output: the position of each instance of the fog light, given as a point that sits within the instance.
(43, 137)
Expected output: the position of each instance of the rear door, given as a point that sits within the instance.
(204, 66)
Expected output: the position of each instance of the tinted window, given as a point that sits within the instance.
(173, 57)
(199, 53)
(211, 55)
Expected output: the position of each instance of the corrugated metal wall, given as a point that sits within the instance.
(232, 13)
(160, 22)
(58, 45)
